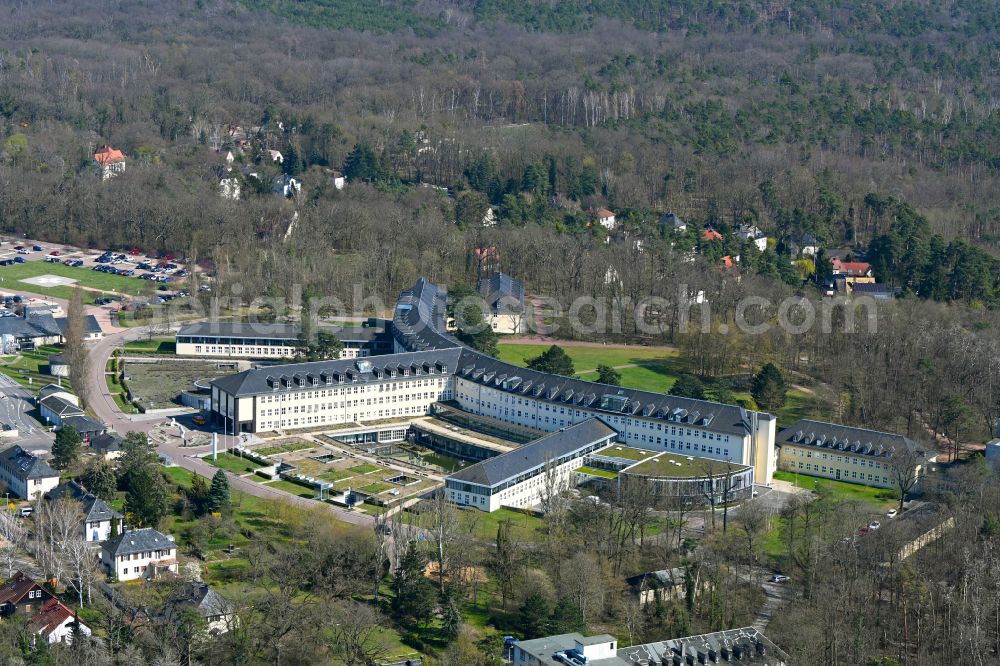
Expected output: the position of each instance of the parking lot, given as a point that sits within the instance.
(54, 269)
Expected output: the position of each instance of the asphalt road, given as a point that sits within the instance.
(15, 403)
(104, 407)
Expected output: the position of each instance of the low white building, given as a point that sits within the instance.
(26, 476)
(518, 478)
(218, 614)
(606, 218)
(143, 553)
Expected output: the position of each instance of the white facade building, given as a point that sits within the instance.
(143, 553)
(25, 475)
(519, 478)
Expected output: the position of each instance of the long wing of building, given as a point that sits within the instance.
(429, 365)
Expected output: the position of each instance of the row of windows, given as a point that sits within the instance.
(850, 460)
(325, 393)
(331, 418)
(852, 474)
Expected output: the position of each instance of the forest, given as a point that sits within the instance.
(872, 127)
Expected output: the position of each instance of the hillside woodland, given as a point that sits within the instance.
(872, 127)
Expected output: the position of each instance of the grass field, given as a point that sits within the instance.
(677, 465)
(841, 490)
(11, 276)
(151, 346)
(365, 468)
(285, 447)
(294, 488)
(603, 473)
(30, 368)
(588, 358)
(233, 463)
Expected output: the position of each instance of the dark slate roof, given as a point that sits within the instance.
(503, 294)
(49, 389)
(57, 359)
(94, 508)
(836, 437)
(370, 370)
(199, 596)
(23, 328)
(419, 324)
(24, 465)
(418, 321)
(106, 442)
(872, 289)
(493, 471)
(655, 580)
(579, 393)
(748, 643)
(45, 323)
(261, 331)
(82, 423)
(138, 541)
(89, 322)
(60, 406)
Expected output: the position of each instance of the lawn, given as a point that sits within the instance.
(525, 526)
(151, 346)
(287, 447)
(626, 452)
(375, 488)
(11, 276)
(655, 376)
(677, 465)
(603, 473)
(587, 358)
(365, 468)
(294, 489)
(841, 490)
(236, 464)
(30, 368)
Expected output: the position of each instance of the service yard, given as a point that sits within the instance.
(156, 382)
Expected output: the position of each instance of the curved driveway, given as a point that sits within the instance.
(102, 403)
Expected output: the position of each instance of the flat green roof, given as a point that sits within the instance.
(675, 465)
(626, 452)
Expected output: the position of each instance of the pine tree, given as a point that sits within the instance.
(533, 617)
(66, 448)
(566, 617)
(146, 497)
(688, 386)
(99, 478)
(768, 388)
(608, 375)
(553, 360)
(218, 495)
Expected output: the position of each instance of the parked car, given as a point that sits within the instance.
(37, 248)
(200, 420)
(76, 263)
(54, 253)
(135, 251)
(780, 578)
(19, 260)
(892, 513)
(21, 250)
(874, 525)
(52, 260)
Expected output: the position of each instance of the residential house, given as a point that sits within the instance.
(27, 333)
(276, 156)
(751, 233)
(338, 180)
(672, 223)
(855, 455)
(808, 245)
(107, 445)
(606, 218)
(143, 553)
(287, 186)
(710, 235)
(22, 594)
(729, 262)
(664, 585)
(744, 645)
(218, 613)
(110, 161)
(504, 298)
(56, 623)
(229, 188)
(847, 274)
(100, 521)
(92, 328)
(26, 475)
